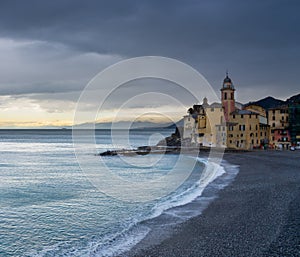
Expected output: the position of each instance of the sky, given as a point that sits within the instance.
(50, 50)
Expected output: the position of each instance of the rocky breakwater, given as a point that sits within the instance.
(168, 145)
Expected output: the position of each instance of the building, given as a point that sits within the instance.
(226, 124)
(201, 125)
(256, 108)
(294, 123)
(278, 119)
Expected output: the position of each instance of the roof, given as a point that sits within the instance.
(244, 112)
(215, 105)
(280, 107)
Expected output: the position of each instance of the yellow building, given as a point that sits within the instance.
(206, 118)
(256, 108)
(246, 128)
(225, 125)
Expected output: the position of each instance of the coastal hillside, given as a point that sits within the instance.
(294, 99)
(271, 102)
(267, 102)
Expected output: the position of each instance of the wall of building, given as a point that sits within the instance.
(278, 119)
(243, 131)
(188, 126)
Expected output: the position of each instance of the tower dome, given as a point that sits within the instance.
(227, 79)
(227, 82)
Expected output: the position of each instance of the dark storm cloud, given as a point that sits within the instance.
(258, 41)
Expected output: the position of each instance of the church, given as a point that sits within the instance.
(227, 124)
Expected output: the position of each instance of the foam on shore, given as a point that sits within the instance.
(173, 209)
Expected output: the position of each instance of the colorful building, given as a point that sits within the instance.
(278, 119)
(226, 124)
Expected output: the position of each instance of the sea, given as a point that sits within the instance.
(49, 207)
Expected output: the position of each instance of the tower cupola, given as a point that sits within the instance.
(227, 83)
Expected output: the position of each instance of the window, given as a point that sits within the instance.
(230, 141)
(265, 134)
(256, 127)
(242, 135)
(225, 96)
(282, 118)
(273, 118)
(261, 134)
(242, 116)
(273, 125)
(233, 116)
(232, 96)
(250, 127)
(250, 116)
(273, 111)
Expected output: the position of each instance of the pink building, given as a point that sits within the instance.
(281, 138)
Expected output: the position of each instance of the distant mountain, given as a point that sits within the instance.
(178, 124)
(271, 102)
(128, 124)
(267, 102)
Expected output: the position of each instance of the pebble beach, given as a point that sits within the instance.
(258, 214)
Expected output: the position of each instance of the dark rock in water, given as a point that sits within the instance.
(170, 141)
(143, 150)
(173, 140)
(171, 144)
(109, 153)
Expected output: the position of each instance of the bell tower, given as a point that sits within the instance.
(227, 97)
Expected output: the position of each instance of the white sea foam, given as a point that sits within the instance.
(210, 173)
(127, 239)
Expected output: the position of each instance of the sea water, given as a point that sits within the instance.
(48, 207)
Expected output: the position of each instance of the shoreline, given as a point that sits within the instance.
(255, 215)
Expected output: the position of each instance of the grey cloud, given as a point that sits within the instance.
(39, 67)
(258, 41)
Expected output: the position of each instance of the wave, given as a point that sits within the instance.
(137, 232)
